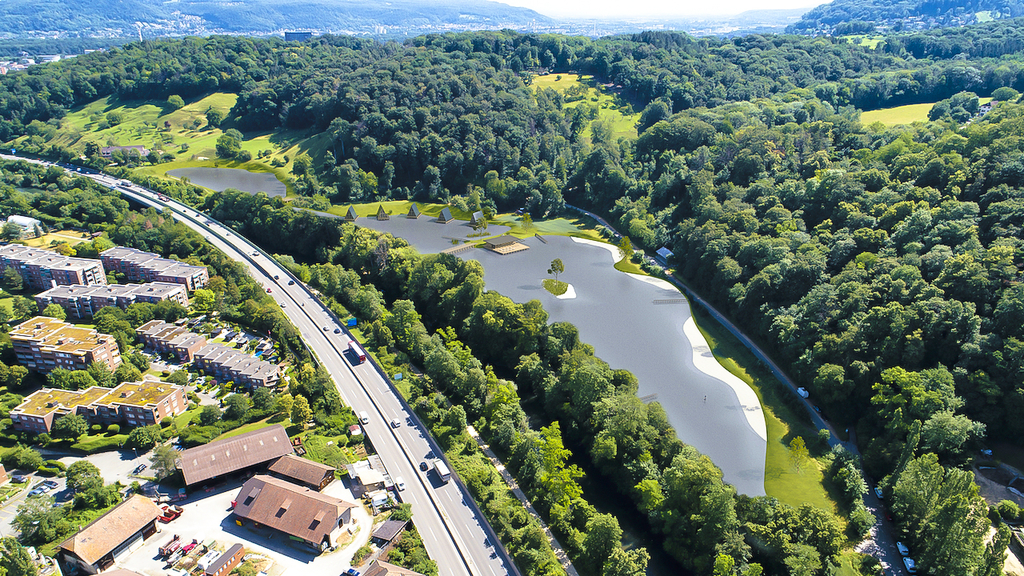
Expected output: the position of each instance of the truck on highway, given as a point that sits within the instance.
(442, 470)
(357, 351)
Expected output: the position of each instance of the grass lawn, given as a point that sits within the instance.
(146, 122)
(902, 114)
(790, 484)
(7, 304)
(629, 267)
(68, 236)
(612, 108)
(556, 287)
(99, 442)
(868, 40)
(245, 428)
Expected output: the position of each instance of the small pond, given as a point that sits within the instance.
(223, 178)
(642, 325)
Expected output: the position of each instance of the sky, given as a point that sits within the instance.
(652, 8)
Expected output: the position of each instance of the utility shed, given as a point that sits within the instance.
(226, 562)
(477, 219)
(249, 450)
(350, 216)
(381, 213)
(414, 211)
(446, 216)
(303, 471)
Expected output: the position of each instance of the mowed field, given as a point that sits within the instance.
(611, 107)
(902, 114)
(184, 133)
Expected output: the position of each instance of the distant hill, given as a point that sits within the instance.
(861, 16)
(120, 18)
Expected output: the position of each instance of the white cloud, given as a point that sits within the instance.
(651, 8)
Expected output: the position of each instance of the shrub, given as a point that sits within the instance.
(361, 554)
(113, 429)
(96, 428)
(166, 422)
(1008, 510)
(48, 471)
(56, 464)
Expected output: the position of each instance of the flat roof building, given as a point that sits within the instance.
(139, 266)
(131, 403)
(301, 513)
(227, 562)
(45, 343)
(242, 452)
(97, 546)
(85, 301)
(27, 225)
(42, 269)
(505, 245)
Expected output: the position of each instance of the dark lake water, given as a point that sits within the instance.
(643, 326)
(220, 179)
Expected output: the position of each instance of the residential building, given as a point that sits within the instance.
(364, 478)
(28, 225)
(139, 266)
(662, 255)
(84, 301)
(388, 531)
(227, 363)
(97, 546)
(381, 568)
(164, 338)
(303, 471)
(108, 151)
(42, 269)
(226, 562)
(130, 403)
(297, 36)
(241, 453)
(3, 474)
(45, 343)
(301, 513)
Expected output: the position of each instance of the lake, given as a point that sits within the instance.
(636, 323)
(220, 179)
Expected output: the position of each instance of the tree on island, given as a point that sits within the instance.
(556, 268)
(526, 221)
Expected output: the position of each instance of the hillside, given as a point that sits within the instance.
(857, 16)
(121, 18)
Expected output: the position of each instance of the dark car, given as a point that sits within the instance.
(291, 282)
(50, 483)
(19, 479)
(139, 468)
(276, 277)
(424, 466)
(337, 330)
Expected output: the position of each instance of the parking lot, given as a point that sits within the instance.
(207, 518)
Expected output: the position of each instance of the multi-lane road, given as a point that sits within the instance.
(454, 531)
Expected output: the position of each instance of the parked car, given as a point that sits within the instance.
(139, 468)
(51, 484)
(802, 392)
(904, 551)
(19, 478)
(878, 492)
(910, 564)
(350, 572)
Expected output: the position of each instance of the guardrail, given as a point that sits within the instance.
(435, 447)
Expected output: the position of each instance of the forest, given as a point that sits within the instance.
(880, 265)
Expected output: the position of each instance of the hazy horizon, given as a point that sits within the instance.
(652, 8)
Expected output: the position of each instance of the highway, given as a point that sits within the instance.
(454, 532)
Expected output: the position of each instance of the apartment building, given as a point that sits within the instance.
(84, 301)
(226, 363)
(44, 343)
(42, 269)
(139, 266)
(164, 338)
(130, 403)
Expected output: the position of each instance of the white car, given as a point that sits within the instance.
(395, 423)
(399, 483)
(910, 564)
(904, 551)
(802, 392)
